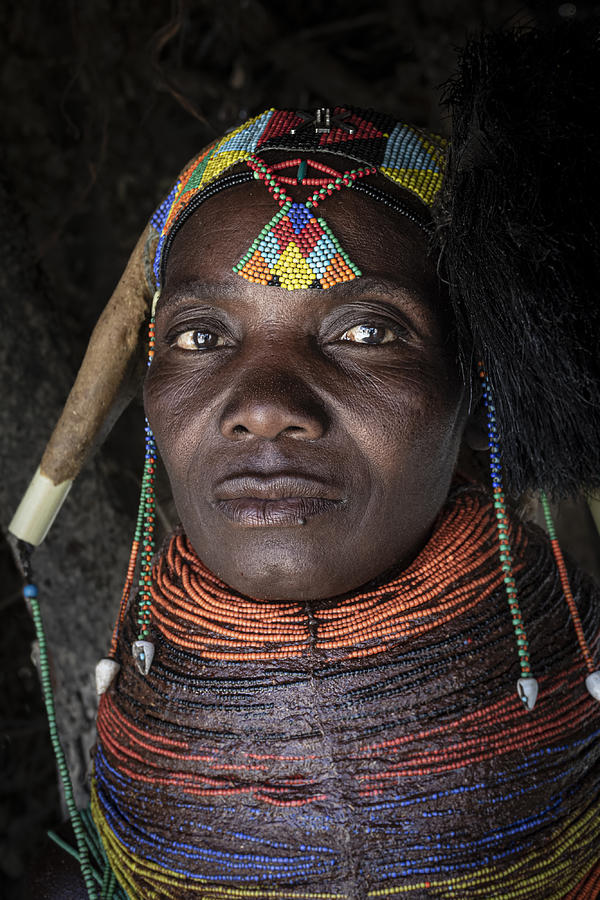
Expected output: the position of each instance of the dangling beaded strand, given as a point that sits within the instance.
(143, 649)
(142, 546)
(527, 686)
(30, 593)
(143, 540)
(592, 682)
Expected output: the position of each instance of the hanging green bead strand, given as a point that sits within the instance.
(31, 595)
(527, 686)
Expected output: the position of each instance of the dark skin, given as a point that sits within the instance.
(309, 436)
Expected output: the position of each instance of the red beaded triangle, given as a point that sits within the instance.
(296, 250)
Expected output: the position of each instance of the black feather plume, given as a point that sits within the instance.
(518, 225)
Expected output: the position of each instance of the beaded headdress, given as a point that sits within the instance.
(410, 158)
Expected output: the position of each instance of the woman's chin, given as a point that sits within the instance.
(277, 583)
(324, 557)
(279, 572)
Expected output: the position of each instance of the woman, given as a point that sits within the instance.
(313, 693)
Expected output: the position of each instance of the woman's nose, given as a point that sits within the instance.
(270, 406)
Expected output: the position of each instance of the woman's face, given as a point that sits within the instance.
(309, 436)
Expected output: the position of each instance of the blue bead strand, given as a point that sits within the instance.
(506, 561)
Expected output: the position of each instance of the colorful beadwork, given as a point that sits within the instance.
(406, 156)
(527, 692)
(296, 249)
(329, 750)
(201, 789)
(593, 678)
(148, 537)
(142, 650)
(30, 593)
(143, 544)
(564, 580)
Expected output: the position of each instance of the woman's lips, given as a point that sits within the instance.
(285, 511)
(282, 500)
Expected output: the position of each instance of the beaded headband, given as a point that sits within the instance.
(409, 158)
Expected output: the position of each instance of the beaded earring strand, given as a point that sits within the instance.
(592, 681)
(143, 649)
(527, 686)
(142, 552)
(295, 249)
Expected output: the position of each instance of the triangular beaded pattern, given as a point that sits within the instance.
(296, 250)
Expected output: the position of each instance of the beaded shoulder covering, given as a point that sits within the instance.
(370, 746)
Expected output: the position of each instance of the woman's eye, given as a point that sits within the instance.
(199, 340)
(369, 334)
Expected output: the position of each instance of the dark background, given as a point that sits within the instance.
(103, 102)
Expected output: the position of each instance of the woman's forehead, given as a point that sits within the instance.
(377, 239)
(391, 251)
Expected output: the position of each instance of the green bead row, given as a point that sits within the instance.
(335, 185)
(87, 871)
(548, 516)
(270, 180)
(146, 520)
(148, 517)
